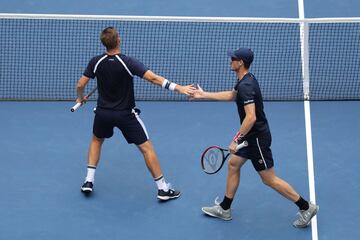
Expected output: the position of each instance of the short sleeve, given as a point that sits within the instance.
(247, 93)
(89, 71)
(136, 67)
(236, 86)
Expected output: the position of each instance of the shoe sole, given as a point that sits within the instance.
(215, 216)
(86, 190)
(165, 198)
(304, 226)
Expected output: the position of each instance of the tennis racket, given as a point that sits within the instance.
(77, 105)
(214, 157)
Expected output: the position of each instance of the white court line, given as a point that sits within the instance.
(310, 157)
(309, 146)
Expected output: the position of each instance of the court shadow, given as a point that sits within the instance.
(88, 194)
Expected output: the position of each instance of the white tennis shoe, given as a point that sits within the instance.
(305, 216)
(217, 211)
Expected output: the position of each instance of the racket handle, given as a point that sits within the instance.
(242, 145)
(75, 107)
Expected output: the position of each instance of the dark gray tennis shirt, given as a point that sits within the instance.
(114, 74)
(248, 91)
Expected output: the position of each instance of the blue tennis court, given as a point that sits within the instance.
(44, 146)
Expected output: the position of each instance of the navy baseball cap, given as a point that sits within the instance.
(245, 54)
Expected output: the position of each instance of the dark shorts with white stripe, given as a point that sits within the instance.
(258, 151)
(128, 121)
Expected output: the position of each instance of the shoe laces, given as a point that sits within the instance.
(301, 217)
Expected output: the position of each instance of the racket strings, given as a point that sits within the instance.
(212, 160)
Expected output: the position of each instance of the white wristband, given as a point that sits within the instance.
(168, 85)
(172, 86)
(165, 82)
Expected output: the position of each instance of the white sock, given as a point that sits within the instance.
(161, 184)
(90, 177)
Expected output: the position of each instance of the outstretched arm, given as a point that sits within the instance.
(161, 81)
(219, 96)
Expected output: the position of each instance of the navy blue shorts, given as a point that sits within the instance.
(128, 121)
(259, 152)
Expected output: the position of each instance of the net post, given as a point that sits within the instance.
(304, 29)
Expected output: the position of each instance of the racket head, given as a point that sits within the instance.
(213, 159)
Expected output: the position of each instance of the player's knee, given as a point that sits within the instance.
(269, 181)
(146, 148)
(233, 165)
(266, 181)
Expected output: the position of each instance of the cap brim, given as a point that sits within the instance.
(231, 53)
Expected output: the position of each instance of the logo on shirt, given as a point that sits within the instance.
(260, 161)
(248, 101)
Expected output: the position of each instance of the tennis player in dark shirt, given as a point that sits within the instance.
(255, 130)
(114, 72)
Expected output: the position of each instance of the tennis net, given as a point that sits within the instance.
(42, 56)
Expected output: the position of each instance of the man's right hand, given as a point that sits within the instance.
(198, 93)
(187, 90)
(82, 100)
